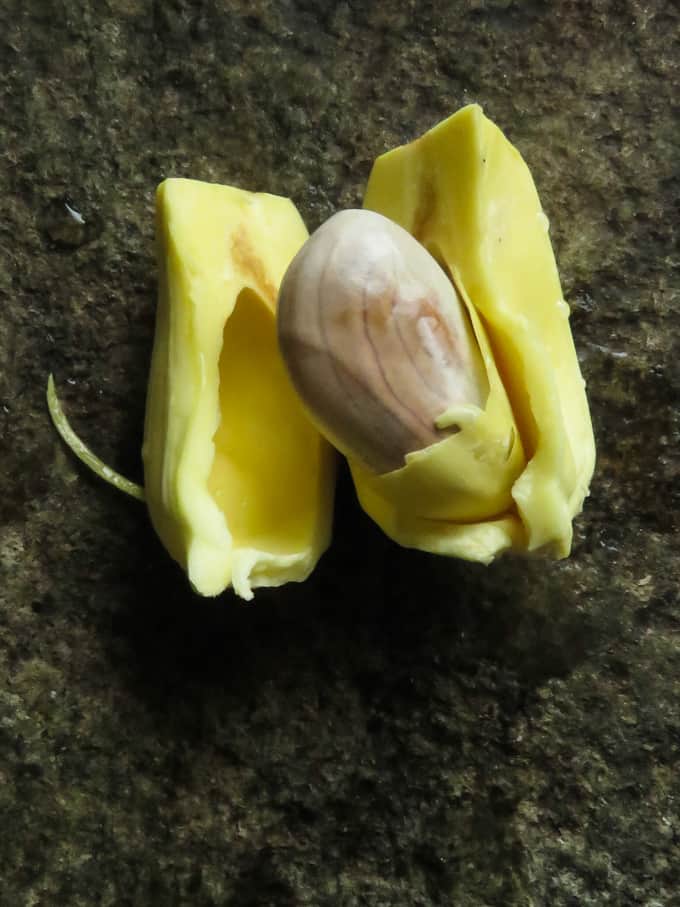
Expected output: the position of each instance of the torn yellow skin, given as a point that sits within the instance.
(239, 484)
(517, 473)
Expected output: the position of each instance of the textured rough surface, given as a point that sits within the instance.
(399, 730)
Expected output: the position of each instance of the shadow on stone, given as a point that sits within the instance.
(370, 611)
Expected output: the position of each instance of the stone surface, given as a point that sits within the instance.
(400, 730)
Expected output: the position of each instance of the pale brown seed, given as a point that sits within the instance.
(376, 340)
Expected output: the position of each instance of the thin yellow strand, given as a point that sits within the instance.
(83, 452)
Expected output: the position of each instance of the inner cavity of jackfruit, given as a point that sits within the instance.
(263, 477)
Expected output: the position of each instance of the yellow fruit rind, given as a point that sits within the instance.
(466, 194)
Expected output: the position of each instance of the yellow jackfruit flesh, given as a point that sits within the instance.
(517, 472)
(238, 483)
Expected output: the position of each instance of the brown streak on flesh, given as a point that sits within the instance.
(250, 263)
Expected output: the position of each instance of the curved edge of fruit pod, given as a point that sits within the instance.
(467, 195)
(239, 484)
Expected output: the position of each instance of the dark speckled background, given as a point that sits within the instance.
(400, 730)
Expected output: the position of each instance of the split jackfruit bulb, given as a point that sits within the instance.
(238, 482)
(432, 346)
